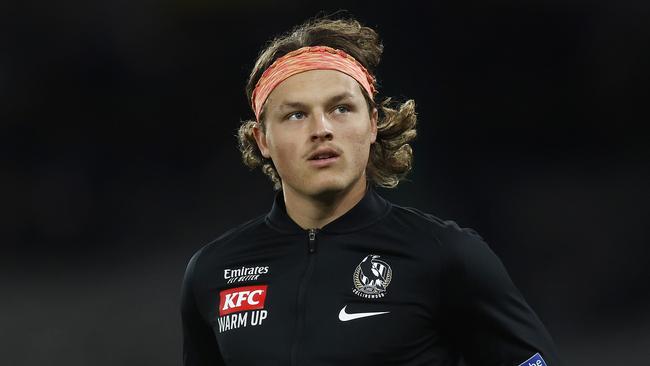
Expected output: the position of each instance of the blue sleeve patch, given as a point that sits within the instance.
(536, 360)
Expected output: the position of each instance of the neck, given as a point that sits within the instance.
(311, 212)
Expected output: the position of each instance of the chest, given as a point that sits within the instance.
(351, 298)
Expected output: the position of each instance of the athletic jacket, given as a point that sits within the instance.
(380, 285)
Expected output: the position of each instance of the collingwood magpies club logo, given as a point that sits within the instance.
(371, 277)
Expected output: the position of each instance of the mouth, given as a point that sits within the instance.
(323, 157)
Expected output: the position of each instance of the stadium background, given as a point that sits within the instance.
(118, 159)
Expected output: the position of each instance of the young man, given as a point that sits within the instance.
(334, 274)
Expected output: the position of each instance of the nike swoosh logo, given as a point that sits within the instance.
(344, 316)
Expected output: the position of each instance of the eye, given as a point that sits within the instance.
(294, 114)
(343, 108)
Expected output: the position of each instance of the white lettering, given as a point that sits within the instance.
(229, 301)
(222, 324)
(243, 295)
(232, 321)
(258, 316)
(250, 298)
(241, 319)
(242, 272)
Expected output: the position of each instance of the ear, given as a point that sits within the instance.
(260, 138)
(373, 125)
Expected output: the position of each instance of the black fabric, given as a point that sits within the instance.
(366, 212)
(447, 296)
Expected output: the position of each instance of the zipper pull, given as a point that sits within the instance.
(312, 240)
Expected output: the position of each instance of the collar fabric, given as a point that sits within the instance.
(370, 209)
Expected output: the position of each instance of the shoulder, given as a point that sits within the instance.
(456, 246)
(445, 231)
(239, 232)
(468, 264)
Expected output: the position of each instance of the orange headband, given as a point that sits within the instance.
(305, 59)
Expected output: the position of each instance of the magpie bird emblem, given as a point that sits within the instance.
(372, 277)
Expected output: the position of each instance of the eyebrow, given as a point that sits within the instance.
(335, 99)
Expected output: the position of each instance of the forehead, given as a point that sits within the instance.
(313, 86)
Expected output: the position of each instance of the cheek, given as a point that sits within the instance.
(361, 139)
(283, 152)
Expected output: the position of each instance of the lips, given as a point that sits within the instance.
(323, 154)
(323, 157)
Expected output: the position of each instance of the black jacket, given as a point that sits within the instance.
(380, 285)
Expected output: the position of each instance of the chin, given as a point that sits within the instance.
(325, 184)
(325, 187)
(329, 188)
(315, 185)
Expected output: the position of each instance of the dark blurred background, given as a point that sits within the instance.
(118, 159)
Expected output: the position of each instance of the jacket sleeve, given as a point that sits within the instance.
(490, 321)
(200, 347)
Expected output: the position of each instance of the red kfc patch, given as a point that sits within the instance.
(243, 298)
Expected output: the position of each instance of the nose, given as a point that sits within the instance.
(321, 127)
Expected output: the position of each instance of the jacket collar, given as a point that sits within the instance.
(371, 208)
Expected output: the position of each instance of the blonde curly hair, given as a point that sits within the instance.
(391, 156)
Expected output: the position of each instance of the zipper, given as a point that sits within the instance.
(312, 240)
(302, 289)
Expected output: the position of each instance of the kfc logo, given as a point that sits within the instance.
(241, 299)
